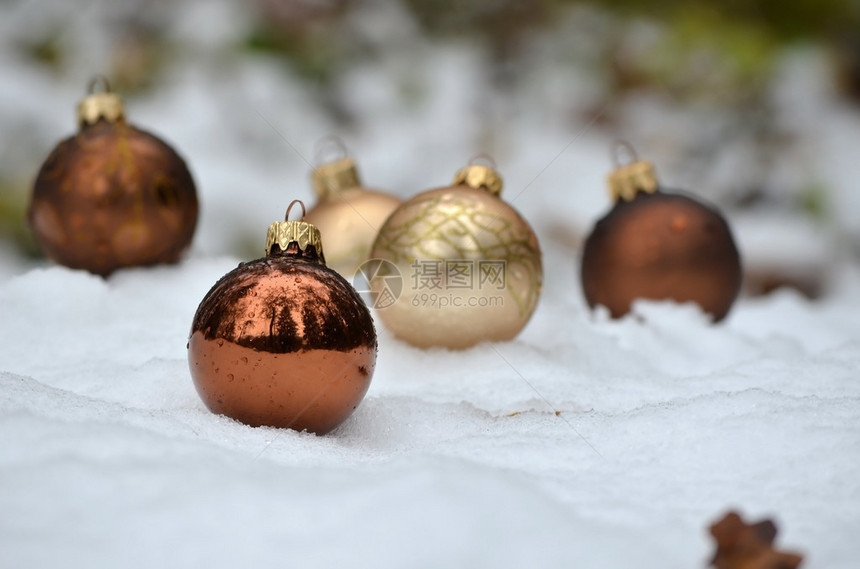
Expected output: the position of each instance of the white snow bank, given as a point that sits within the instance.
(455, 459)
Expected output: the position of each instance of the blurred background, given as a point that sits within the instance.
(753, 105)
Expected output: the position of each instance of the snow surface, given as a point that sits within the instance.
(584, 443)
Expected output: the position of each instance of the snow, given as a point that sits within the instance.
(454, 458)
(585, 442)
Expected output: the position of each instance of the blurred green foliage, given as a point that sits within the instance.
(13, 219)
(312, 58)
(704, 55)
(47, 50)
(785, 20)
(494, 19)
(814, 201)
(720, 53)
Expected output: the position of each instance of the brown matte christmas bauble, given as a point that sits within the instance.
(659, 245)
(113, 195)
(347, 214)
(283, 341)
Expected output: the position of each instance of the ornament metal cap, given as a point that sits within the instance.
(629, 179)
(480, 176)
(332, 176)
(335, 176)
(302, 233)
(104, 105)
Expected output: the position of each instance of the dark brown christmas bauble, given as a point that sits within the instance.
(283, 341)
(659, 245)
(113, 195)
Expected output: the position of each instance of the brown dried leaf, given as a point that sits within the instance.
(748, 546)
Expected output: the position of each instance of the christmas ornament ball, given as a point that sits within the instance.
(659, 245)
(347, 214)
(283, 341)
(469, 265)
(113, 195)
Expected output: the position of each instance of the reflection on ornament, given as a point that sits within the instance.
(347, 214)
(470, 265)
(658, 245)
(283, 341)
(112, 196)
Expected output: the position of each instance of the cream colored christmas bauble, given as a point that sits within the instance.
(469, 266)
(347, 214)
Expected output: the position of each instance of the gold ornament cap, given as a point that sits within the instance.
(333, 175)
(480, 176)
(104, 105)
(302, 233)
(629, 179)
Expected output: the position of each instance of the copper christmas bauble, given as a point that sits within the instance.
(457, 265)
(659, 245)
(347, 214)
(283, 341)
(113, 195)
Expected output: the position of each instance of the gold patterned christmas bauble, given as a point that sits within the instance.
(112, 196)
(347, 214)
(658, 245)
(456, 266)
(283, 341)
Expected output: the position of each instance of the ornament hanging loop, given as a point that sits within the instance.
(631, 177)
(290, 207)
(480, 176)
(97, 80)
(100, 105)
(335, 170)
(620, 147)
(329, 148)
(484, 157)
(305, 236)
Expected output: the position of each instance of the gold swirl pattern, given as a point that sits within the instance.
(466, 224)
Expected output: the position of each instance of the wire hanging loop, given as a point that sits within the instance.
(329, 148)
(620, 147)
(98, 80)
(290, 207)
(483, 157)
